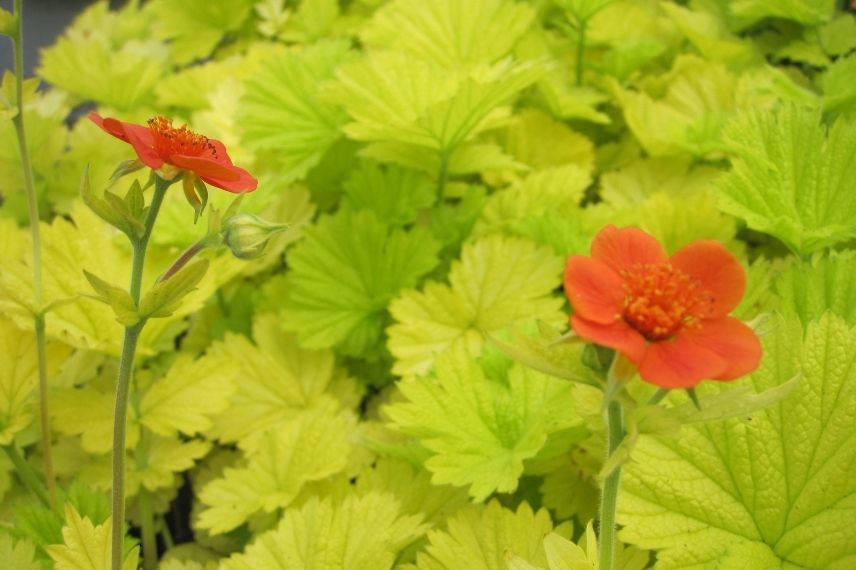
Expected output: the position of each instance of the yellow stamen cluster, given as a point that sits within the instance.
(661, 299)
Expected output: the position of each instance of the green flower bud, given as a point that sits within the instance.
(247, 235)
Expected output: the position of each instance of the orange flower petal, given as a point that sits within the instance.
(719, 272)
(141, 140)
(594, 290)
(617, 335)
(621, 248)
(680, 363)
(244, 183)
(203, 166)
(732, 340)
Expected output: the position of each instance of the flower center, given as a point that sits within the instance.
(170, 141)
(660, 300)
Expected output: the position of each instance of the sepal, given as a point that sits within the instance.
(126, 214)
(164, 298)
(119, 300)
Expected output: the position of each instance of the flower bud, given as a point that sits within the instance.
(247, 235)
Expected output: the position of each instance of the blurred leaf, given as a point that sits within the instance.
(345, 272)
(280, 111)
(450, 33)
(791, 177)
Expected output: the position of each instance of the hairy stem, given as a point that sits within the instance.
(27, 475)
(182, 260)
(609, 495)
(33, 212)
(126, 368)
(150, 550)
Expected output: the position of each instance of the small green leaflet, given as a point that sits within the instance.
(481, 429)
(792, 178)
(770, 490)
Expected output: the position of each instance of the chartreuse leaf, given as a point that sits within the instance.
(839, 93)
(18, 555)
(538, 140)
(413, 489)
(497, 282)
(450, 33)
(358, 533)
(190, 88)
(769, 490)
(406, 105)
(345, 272)
(480, 429)
(277, 379)
(195, 27)
(47, 137)
(86, 547)
(311, 446)
(559, 190)
(19, 377)
(792, 178)
(8, 23)
(190, 394)
(481, 538)
(635, 182)
(809, 12)
(105, 57)
(394, 194)
(709, 33)
(280, 111)
(807, 289)
(166, 457)
(88, 412)
(690, 115)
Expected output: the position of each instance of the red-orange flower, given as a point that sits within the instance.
(668, 315)
(172, 151)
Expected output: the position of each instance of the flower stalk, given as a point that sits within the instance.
(614, 418)
(33, 213)
(126, 367)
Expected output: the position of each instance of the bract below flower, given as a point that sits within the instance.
(668, 315)
(174, 152)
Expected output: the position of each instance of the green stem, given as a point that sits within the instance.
(609, 496)
(581, 46)
(126, 368)
(182, 260)
(658, 396)
(147, 518)
(33, 212)
(27, 475)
